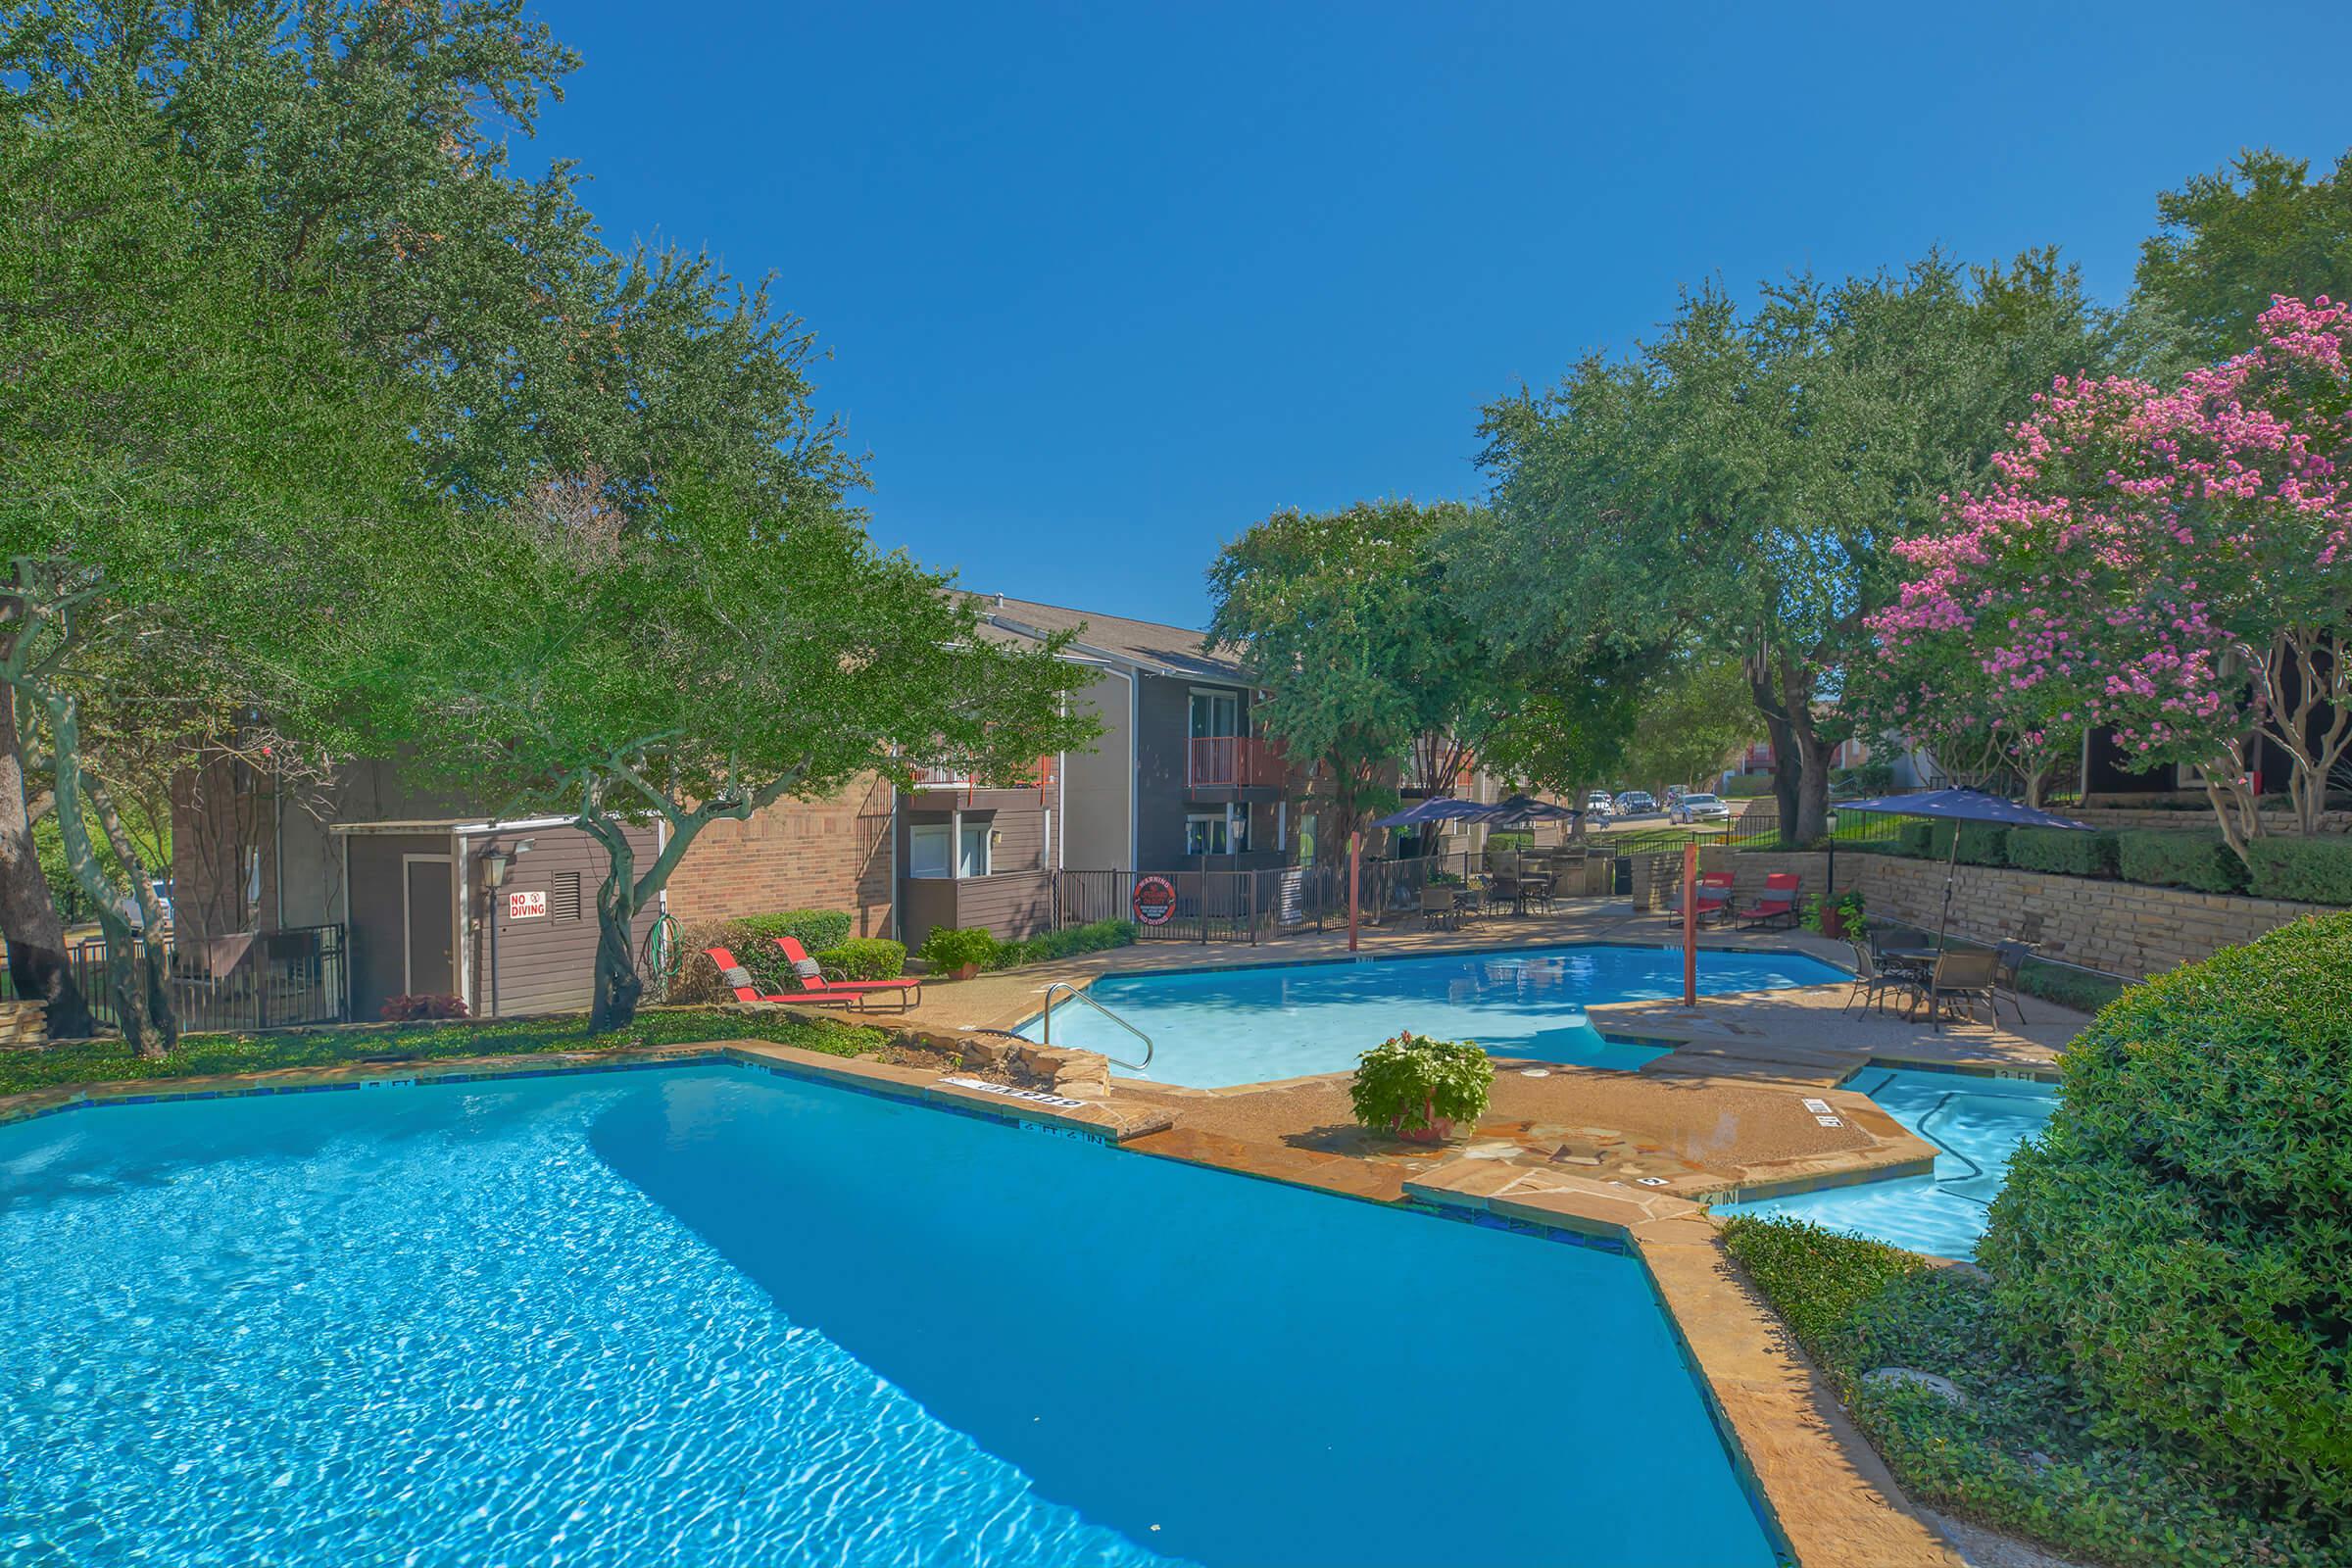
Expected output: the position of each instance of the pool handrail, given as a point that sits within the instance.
(1047, 1024)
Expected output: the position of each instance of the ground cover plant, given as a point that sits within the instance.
(196, 1056)
(2014, 1450)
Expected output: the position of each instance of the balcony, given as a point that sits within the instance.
(1232, 761)
(1041, 777)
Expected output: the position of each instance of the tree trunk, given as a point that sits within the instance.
(38, 966)
(138, 975)
(619, 985)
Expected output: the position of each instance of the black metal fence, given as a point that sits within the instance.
(1203, 905)
(282, 979)
(1757, 827)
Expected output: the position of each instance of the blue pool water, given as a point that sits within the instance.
(1976, 1124)
(708, 1316)
(1213, 1028)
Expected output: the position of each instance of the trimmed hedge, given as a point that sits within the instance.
(2066, 852)
(2178, 1244)
(2313, 871)
(865, 959)
(2016, 1453)
(1917, 839)
(1094, 936)
(2171, 859)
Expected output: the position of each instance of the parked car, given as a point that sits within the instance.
(1635, 802)
(1700, 808)
(1596, 804)
(137, 916)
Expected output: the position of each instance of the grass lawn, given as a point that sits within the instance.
(200, 1056)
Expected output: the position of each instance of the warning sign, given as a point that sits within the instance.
(1154, 900)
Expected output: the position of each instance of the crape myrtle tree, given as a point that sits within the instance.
(2172, 567)
(2230, 240)
(706, 656)
(1734, 485)
(1371, 675)
(205, 497)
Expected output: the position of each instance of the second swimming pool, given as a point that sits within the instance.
(1214, 1028)
(1975, 1123)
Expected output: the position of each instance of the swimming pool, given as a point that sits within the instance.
(1214, 1028)
(1976, 1123)
(713, 1316)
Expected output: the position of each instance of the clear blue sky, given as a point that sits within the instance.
(1102, 287)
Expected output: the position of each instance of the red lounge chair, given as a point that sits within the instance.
(1779, 901)
(817, 989)
(817, 993)
(1714, 897)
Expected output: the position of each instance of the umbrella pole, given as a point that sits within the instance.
(1950, 871)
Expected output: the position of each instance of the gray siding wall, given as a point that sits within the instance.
(547, 963)
(1098, 786)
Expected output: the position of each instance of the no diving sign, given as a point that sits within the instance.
(1153, 901)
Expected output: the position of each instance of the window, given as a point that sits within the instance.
(1205, 835)
(929, 847)
(1225, 832)
(1216, 715)
(974, 859)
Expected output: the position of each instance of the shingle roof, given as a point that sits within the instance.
(1141, 642)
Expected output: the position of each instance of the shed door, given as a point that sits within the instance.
(429, 919)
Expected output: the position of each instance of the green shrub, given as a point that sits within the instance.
(2015, 1452)
(2313, 871)
(1745, 786)
(1916, 839)
(864, 958)
(1981, 843)
(1094, 936)
(2067, 851)
(2178, 1241)
(2170, 859)
(949, 948)
(1404, 1084)
(2084, 989)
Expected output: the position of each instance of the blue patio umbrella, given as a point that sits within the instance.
(1962, 805)
(1437, 809)
(1525, 811)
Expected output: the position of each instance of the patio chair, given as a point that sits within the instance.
(1538, 891)
(1872, 982)
(2010, 958)
(822, 990)
(1779, 903)
(1963, 975)
(737, 979)
(1713, 899)
(1502, 889)
(1437, 906)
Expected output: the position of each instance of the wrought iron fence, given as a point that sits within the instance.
(282, 979)
(1254, 905)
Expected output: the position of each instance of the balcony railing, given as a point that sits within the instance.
(942, 778)
(1040, 776)
(1224, 761)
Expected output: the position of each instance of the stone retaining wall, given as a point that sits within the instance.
(2120, 927)
(2123, 928)
(2119, 818)
(23, 1025)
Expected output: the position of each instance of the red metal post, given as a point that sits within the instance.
(1690, 924)
(1356, 844)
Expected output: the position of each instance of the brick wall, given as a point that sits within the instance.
(23, 1025)
(2119, 817)
(797, 855)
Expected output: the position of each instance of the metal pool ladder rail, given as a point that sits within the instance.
(1077, 994)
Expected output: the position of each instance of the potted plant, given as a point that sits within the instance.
(1419, 1087)
(1840, 919)
(958, 951)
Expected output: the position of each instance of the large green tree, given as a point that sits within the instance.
(1372, 676)
(1730, 489)
(2227, 241)
(702, 658)
(209, 502)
